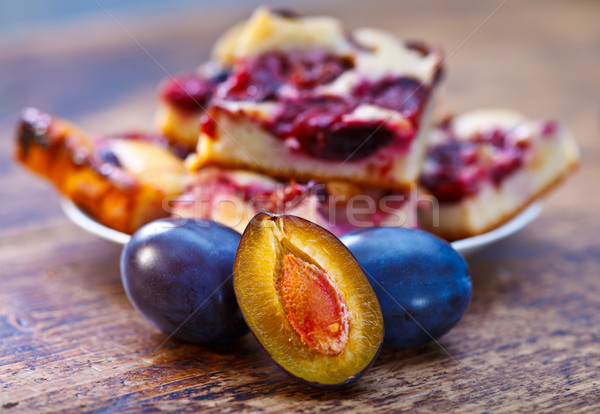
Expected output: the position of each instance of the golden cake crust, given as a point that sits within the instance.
(60, 152)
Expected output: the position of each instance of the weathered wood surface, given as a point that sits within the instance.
(530, 341)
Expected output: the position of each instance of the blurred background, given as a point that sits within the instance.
(24, 14)
(64, 48)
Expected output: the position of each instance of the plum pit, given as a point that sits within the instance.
(314, 306)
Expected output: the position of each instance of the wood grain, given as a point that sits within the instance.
(530, 341)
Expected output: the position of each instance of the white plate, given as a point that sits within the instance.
(464, 246)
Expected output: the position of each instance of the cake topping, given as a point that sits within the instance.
(268, 31)
(465, 126)
(475, 148)
(261, 78)
(189, 92)
(33, 128)
(387, 56)
(320, 124)
(317, 127)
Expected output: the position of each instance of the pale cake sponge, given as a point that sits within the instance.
(181, 127)
(485, 166)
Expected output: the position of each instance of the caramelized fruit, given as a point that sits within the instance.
(177, 273)
(422, 283)
(307, 300)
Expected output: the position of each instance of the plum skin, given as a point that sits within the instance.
(177, 274)
(422, 283)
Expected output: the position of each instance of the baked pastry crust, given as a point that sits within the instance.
(119, 181)
(484, 198)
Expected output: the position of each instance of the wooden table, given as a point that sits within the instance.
(530, 341)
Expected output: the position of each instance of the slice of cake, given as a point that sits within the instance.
(485, 166)
(233, 197)
(304, 100)
(120, 181)
(183, 100)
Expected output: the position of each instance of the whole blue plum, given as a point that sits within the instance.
(422, 283)
(178, 274)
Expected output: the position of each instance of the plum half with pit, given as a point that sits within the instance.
(422, 283)
(178, 274)
(307, 300)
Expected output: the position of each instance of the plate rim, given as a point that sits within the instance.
(87, 223)
(510, 227)
(463, 246)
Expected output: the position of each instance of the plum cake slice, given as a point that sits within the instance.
(120, 181)
(234, 197)
(303, 100)
(485, 166)
(182, 103)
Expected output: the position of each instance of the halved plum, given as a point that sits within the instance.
(307, 300)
